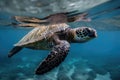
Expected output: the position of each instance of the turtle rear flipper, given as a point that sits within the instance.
(14, 51)
(56, 56)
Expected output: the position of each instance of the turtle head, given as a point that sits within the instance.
(83, 34)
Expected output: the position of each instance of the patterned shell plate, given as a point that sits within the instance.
(41, 32)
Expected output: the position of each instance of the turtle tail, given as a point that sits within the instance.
(14, 51)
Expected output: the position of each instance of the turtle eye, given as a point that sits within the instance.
(92, 34)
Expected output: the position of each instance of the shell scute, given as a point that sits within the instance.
(41, 32)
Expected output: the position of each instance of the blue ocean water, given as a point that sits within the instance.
(98, 59)
(101, 55)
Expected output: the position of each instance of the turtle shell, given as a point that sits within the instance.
(41, 32)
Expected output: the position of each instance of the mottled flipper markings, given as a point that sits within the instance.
(56, 56)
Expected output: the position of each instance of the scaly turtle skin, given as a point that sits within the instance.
(55, 37)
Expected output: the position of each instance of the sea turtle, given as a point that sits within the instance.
(56, 37)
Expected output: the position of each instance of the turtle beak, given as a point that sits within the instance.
(92, 32)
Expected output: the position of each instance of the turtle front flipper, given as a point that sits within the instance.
(56, 56)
